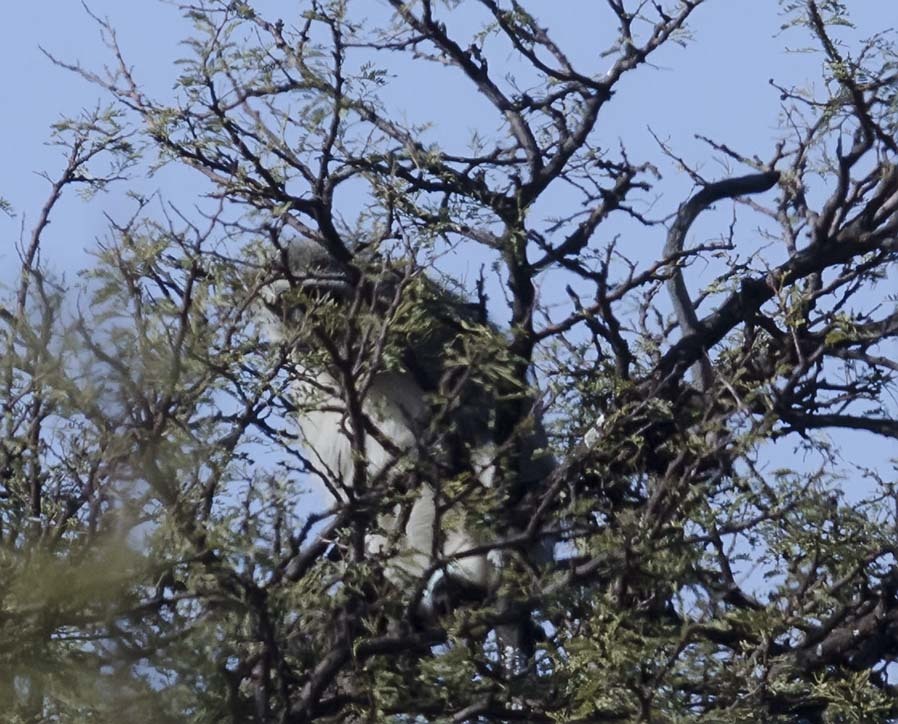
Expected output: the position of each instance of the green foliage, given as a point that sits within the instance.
(172, 551)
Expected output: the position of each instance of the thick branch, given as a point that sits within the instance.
(676, 239)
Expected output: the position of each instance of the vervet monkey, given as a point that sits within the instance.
(387, 350)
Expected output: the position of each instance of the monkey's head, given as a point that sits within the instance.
(302, 282)
(310, 272)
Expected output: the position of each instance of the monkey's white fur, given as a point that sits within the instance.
(395, 405)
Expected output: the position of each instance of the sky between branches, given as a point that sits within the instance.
(717, 86)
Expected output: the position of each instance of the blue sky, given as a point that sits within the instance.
(717, 86)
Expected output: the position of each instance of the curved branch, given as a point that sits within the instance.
(676, 238)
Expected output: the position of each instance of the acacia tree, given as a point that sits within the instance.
(163, 557)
